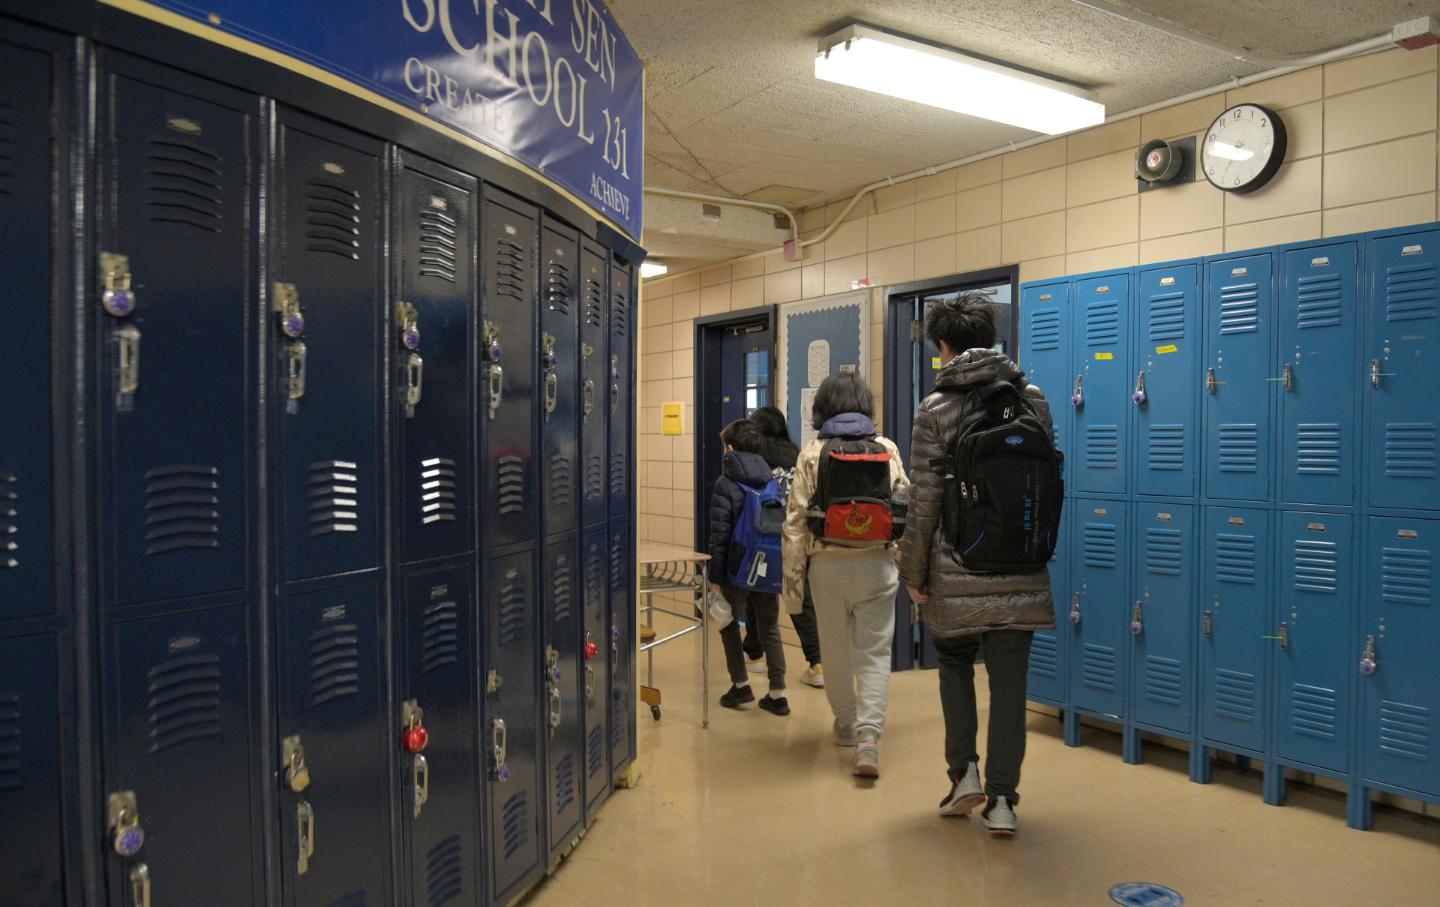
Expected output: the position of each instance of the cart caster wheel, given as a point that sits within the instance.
(655, 712)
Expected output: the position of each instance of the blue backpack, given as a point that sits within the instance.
(755, 544)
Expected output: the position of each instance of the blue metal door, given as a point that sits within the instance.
(622, 324)
(1403, 417)
(176, 277)
(1100, 605)
(1319, 373)
(1102, 388)
(31, 731)
(1395, 656)
(434, 387)
(508, 511)
(326, 296)
(559, 377)
(595, 279)
(1045, 354)
(439, 802)
(1235, 618)
(1239, 352)
(1167, 349)
(595, 654)
(1163, 619)
(1049, 679)
(621, 608)
(1317, 652)
(564, 722)
(334, 760)
(512, 732)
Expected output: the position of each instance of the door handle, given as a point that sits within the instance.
(140, 885)
(127, 365)
(295, 356)
(589, 683)
(1077, 397)
(588, 399)
(1137, 620)
(305, 836)
(1284, 635)
(614, 384)
(1207, 624)
(1075, 609)
(414, 378)
(1211, 384)
(421, 776)
(1140, 396)
(1368, 661)
(552, 393)
(498, 739)
(497, 387)
(614, 648)
(556, 707)
(1287, 376)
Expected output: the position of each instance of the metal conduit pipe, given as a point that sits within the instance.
(734, 202)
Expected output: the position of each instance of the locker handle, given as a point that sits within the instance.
(552, 393)
(295, 357)
(1137, 620)
(1376, 374)
(414, 379)
(590, 683)
(1077, 397)
(1075, 609)
(588, 402)
(421, 776)
(1207, 624)
(497, 387)
(1211, 384)
(614, 384)
(127, 361)
(556, 708)
(305, 836)
(140, 885)
(1368, 661)
(1287, 376)
(1284, 635)
(1140, 397)
(500, 771)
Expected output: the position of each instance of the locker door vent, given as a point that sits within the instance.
(1410, 450)
(564, 783)
(444, 871)
(1163, 680)
(1318, 301)
(1239, 447)
(1405, 576)
(9, 520)
(1044, 656)
(353, 899)
(618, 574)
(512, 613)
(594, 477)
(1317, 567)
(1100, 545)
(1411, 293)
(440, 640)
(182, 508)
(594, 303)
(1098, 667)
(334, 487)
(332, 218)
(437, 245)
(595, 750)
(1164, 552)
(11, 742)
(557, 287)
(1102, 446)
(619, 313)
(1235, 559)
(1313, 711)
(7, 138)
(183, 184)
(515, 823)
(617, 473)
(184, 700)
(561, 590)
(1167, 448)
(1045, 330)
(1240, 309)
(1235, 695)
(594, 577)
(511, 484)
(437, 490)
(617, 722)
(1102, 323)
(1405, 730)
(1167, 317)
(334, 663)
(510, 269)
(1317, 448)
(562, 480)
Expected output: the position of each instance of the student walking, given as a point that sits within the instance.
(995, 593)
(844, 500)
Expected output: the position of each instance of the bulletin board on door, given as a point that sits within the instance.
(818, 338)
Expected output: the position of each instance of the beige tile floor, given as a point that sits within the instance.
(761, 810)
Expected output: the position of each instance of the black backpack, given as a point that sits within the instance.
(852, 504)
(1003, 490)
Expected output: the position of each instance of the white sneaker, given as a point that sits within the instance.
(844, 733)
(999, 817)
(866, 761)
(814, 676)
(965, 794)
(755, 665)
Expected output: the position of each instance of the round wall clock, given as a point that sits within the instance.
(1243, 148)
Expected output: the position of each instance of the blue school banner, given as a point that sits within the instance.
(552, 83)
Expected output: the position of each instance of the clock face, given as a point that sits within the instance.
(1243, 148)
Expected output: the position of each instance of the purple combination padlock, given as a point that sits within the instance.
(118, 302)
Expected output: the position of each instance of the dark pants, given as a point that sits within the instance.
(762, 613)
(805, 628)
(1007, 661)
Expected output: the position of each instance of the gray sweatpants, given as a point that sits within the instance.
(854, 595)
(1007, 662)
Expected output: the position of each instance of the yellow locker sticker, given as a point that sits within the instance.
(936, 362)
(1169, 348)
(1104, 356)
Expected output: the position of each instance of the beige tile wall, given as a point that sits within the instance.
(1362, 155)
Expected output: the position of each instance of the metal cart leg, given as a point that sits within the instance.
(704, 651)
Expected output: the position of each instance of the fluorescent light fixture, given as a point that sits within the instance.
(864, 57)
(650, 269)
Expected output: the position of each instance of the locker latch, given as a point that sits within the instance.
(1368, 663)
(116, 298)
(1075, 609)
(304, 836)
(614, 384)
(414, 378)
(548, 361)
(1077, 397)
(587, 402)
(123, 820)
(493, 682)
(553, 676)
(589, 683)
(1137, 620)
(420, 778)
(1207, 624)
(1375, 373)
(287, 307)
(297, 773)
(1284, 635)
(1211, 384)
(614, 647)
(495, 373)
(140, 885)
(1287, 376)
(127, 366)
(498, 769)
(407, 325)
(1139, 396)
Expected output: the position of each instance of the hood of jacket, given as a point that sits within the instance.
(848, 425)
(746, 468)
(977, 366)
(780, 453)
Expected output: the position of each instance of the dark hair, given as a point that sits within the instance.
(771, 422)
(743, 435)
(842, 392)
(962, 324)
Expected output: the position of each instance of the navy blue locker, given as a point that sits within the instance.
(176, 276)
(439, 801)
(334, 759)
(564, 721)
(512, 683)
(559, 377)
(622, 322)
(1045, 353)
(327, 299)
(1235, 618)
(1319, 374)
(594, 282)
(434, 389)
(1239, 351)
(508, 507)
(1048, 680)
(1317, 653)
(1101, 394)
(1395, 656)
(621, 607)
(178, 759)
(1162, 623)
(1403, 353)
(1099, 613)
(31, 732)
(1166, 352)
(595, 654)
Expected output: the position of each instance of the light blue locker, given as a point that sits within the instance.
(1049, 650)
(1161, 623)
(1319, 374)
(1317, 655)
(1099, 612)
(1239, 347)
(1167, 349)
(1101, 393)
(1045, 352)
(1402, 356)
(1234, 621)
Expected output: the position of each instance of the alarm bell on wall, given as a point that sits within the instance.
(1161, 163)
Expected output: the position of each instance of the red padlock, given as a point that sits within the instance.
(415, 739)
(591, 650)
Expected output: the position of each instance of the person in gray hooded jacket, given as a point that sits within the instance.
(968, 613)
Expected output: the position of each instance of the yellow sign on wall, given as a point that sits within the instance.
(672, 419)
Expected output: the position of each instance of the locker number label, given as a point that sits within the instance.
(1168, 348)
(1104, 357)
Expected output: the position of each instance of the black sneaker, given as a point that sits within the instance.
(774, 706)
(737, 696)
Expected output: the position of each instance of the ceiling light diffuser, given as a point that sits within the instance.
(864, 57)
(650, 269)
